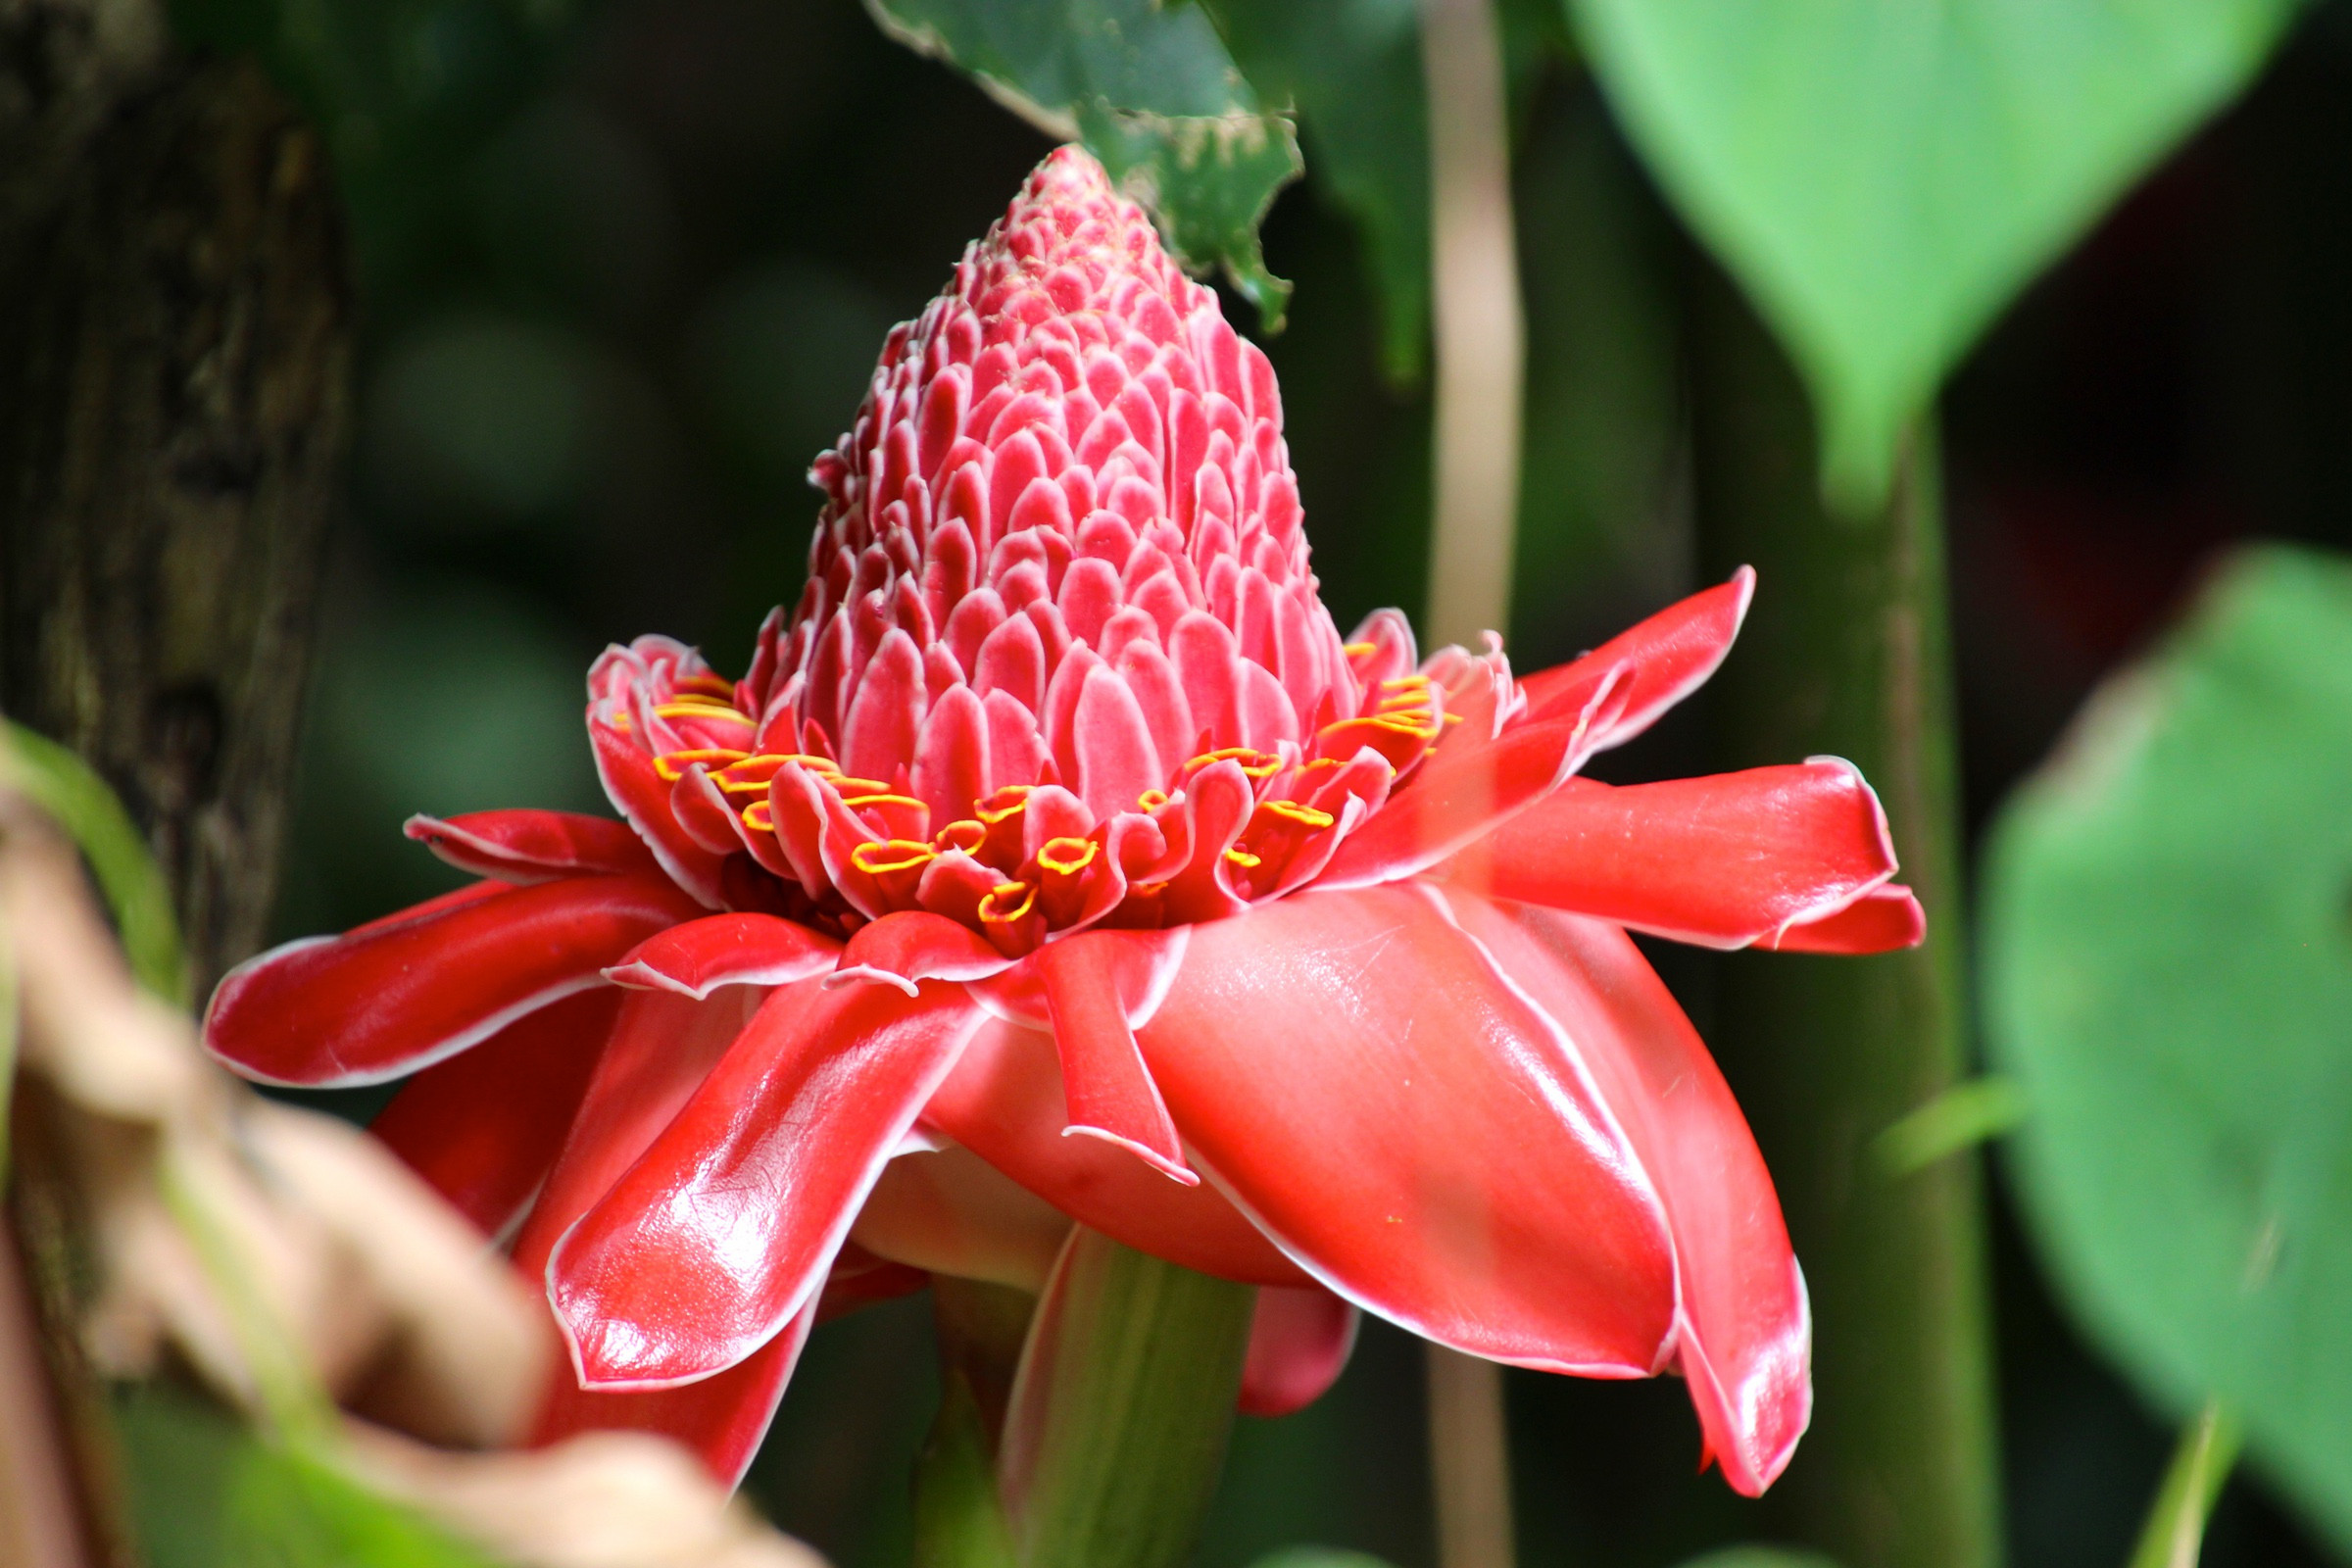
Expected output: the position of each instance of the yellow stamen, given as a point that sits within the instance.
(1254, 763)
(779, 761)
(1016, 801)
(860, 802)
(757, 818)
(992, 907)
(1068, 856)
(1359, 650)
(1305, 816)
(670, 766)
(963, 834)
(1243, 858)
(709, 685)
(891, 855)
(1152, 800)
(702, 708)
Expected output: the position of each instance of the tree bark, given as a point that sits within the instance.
(1847, 653)
(175, 349)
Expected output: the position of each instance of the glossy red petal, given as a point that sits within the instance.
(1724, 860)
(1388, 1106)
(699, 957)
(532, 846)
(709, 1242)
(1093, 984)
(640, 794)
(1744, 1334)
(395, 998)
(1673, 653)
(1299, 1342)
(1458, 796)
(721, 1418)
(483, 1128)
(904, 949)
(1889, 917)
(662, 1047)
(1005, 1103)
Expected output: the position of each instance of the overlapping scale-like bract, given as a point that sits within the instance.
(1061, 659)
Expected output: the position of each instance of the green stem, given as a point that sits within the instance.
(1847, 653)
(959, 1520)
(1120, 1411)
(2175, 1534)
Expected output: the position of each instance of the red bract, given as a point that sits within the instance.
(1058, 806)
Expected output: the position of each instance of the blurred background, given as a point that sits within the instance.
(624, 269)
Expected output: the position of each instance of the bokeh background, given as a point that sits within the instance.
(624, 266)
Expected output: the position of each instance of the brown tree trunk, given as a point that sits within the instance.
(175, 350)
(174, 345)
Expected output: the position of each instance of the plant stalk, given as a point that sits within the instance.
(1481, 332)
(1121, 1408)
(2175, 1534)
(1480, 327)
(1847, 653)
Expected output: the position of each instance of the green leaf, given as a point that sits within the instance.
(205, 1492)
(1353, 69)
(65, 787)
(1883, 178)
(2176, 1527)
(1150, 90)
(1760, 1557)
(2169, 980)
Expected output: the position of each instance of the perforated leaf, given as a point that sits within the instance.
(1151, 91)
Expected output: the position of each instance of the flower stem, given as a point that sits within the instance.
(1120, 1411)
(1470, 1460)
(1847, 653)
(1481, 330)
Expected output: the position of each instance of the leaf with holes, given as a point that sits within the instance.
(1353, 71)
(1884, 178)
(1152, 92)
(2169, 981)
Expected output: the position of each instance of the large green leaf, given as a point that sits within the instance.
(1151, 91)
(1882, 178)
(1353, 69)
(2169, 980)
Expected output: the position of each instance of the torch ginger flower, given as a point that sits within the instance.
(1059, 805)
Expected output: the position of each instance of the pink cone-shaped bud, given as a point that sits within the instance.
(1061, 657)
